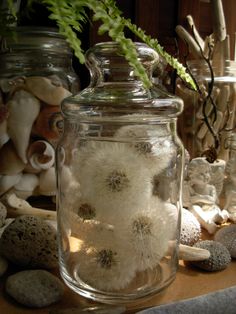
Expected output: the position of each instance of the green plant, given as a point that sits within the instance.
(71, 15)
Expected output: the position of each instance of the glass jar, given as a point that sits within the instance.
(208, 118)
(35, 76)
(119, 182)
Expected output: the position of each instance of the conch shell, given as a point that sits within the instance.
(23, 110)
(49, 123)
(7, 182)
(10, 162)
(41, 155)
(46, 90)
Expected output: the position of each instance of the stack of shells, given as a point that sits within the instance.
(30, 125)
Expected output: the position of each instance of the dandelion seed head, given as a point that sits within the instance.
(117, 181)
(86, 211)
(106, 258)
(144, 147)
(142, 226)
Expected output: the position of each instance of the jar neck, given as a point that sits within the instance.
(107, 63)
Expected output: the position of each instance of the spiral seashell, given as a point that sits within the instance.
(23, 110)
(46, 90)
(41, 155)
(47, 182)
(49, 123)
(7, 182)
(10, 162)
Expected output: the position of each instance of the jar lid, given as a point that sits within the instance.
(35, 38)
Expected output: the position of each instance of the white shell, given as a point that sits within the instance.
(7, 182)
(46, 90)
(4, 137)
(11, 163)
(23, 110)
(47, 182)
(41, 155)
(25, 187)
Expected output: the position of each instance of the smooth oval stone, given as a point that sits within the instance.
(30, 242)
(34, 288)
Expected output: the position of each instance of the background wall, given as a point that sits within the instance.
(158, 17)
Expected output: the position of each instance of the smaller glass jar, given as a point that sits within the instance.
(35, 76)
(119, 182)
(215, 110)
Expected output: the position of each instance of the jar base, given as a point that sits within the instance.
(145, 287)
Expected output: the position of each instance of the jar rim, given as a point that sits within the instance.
(35, 38)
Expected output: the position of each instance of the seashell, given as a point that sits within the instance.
(4, 137)
(25, 187)
(23, 110)
(49, 123)
(47, 182)
(46, 90)
(190, 253)
(41, 155)
(7, 182)
(10, 162)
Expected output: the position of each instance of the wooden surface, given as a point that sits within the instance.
(189, 283)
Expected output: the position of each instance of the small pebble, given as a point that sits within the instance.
(190, 228)
(227, 236)
(34, 288)
(3, 265)
(219, 258)
(30, 242)
(3, 214)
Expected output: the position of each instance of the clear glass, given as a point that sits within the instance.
(219, 109)
(36, 74)
(119, 166)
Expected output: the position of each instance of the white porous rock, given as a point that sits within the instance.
(6, 223)
(3, 214)
(30, 242)
(3, 265)
(227, 236)
(190, 228)
(35, 288)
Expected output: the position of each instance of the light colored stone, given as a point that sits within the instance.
(34, 288)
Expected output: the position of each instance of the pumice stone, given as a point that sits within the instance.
(227, 236)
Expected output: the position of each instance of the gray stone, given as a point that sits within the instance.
(219, 258)
(227, 236)
(30, 242)
(34, 288)
(3, 214)
(3, 265)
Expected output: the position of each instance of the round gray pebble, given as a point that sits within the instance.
(190, 228)
(30, 242)
(3, 265)
(219, 258)
(227, 236)
(34, 288)
(3, 214)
